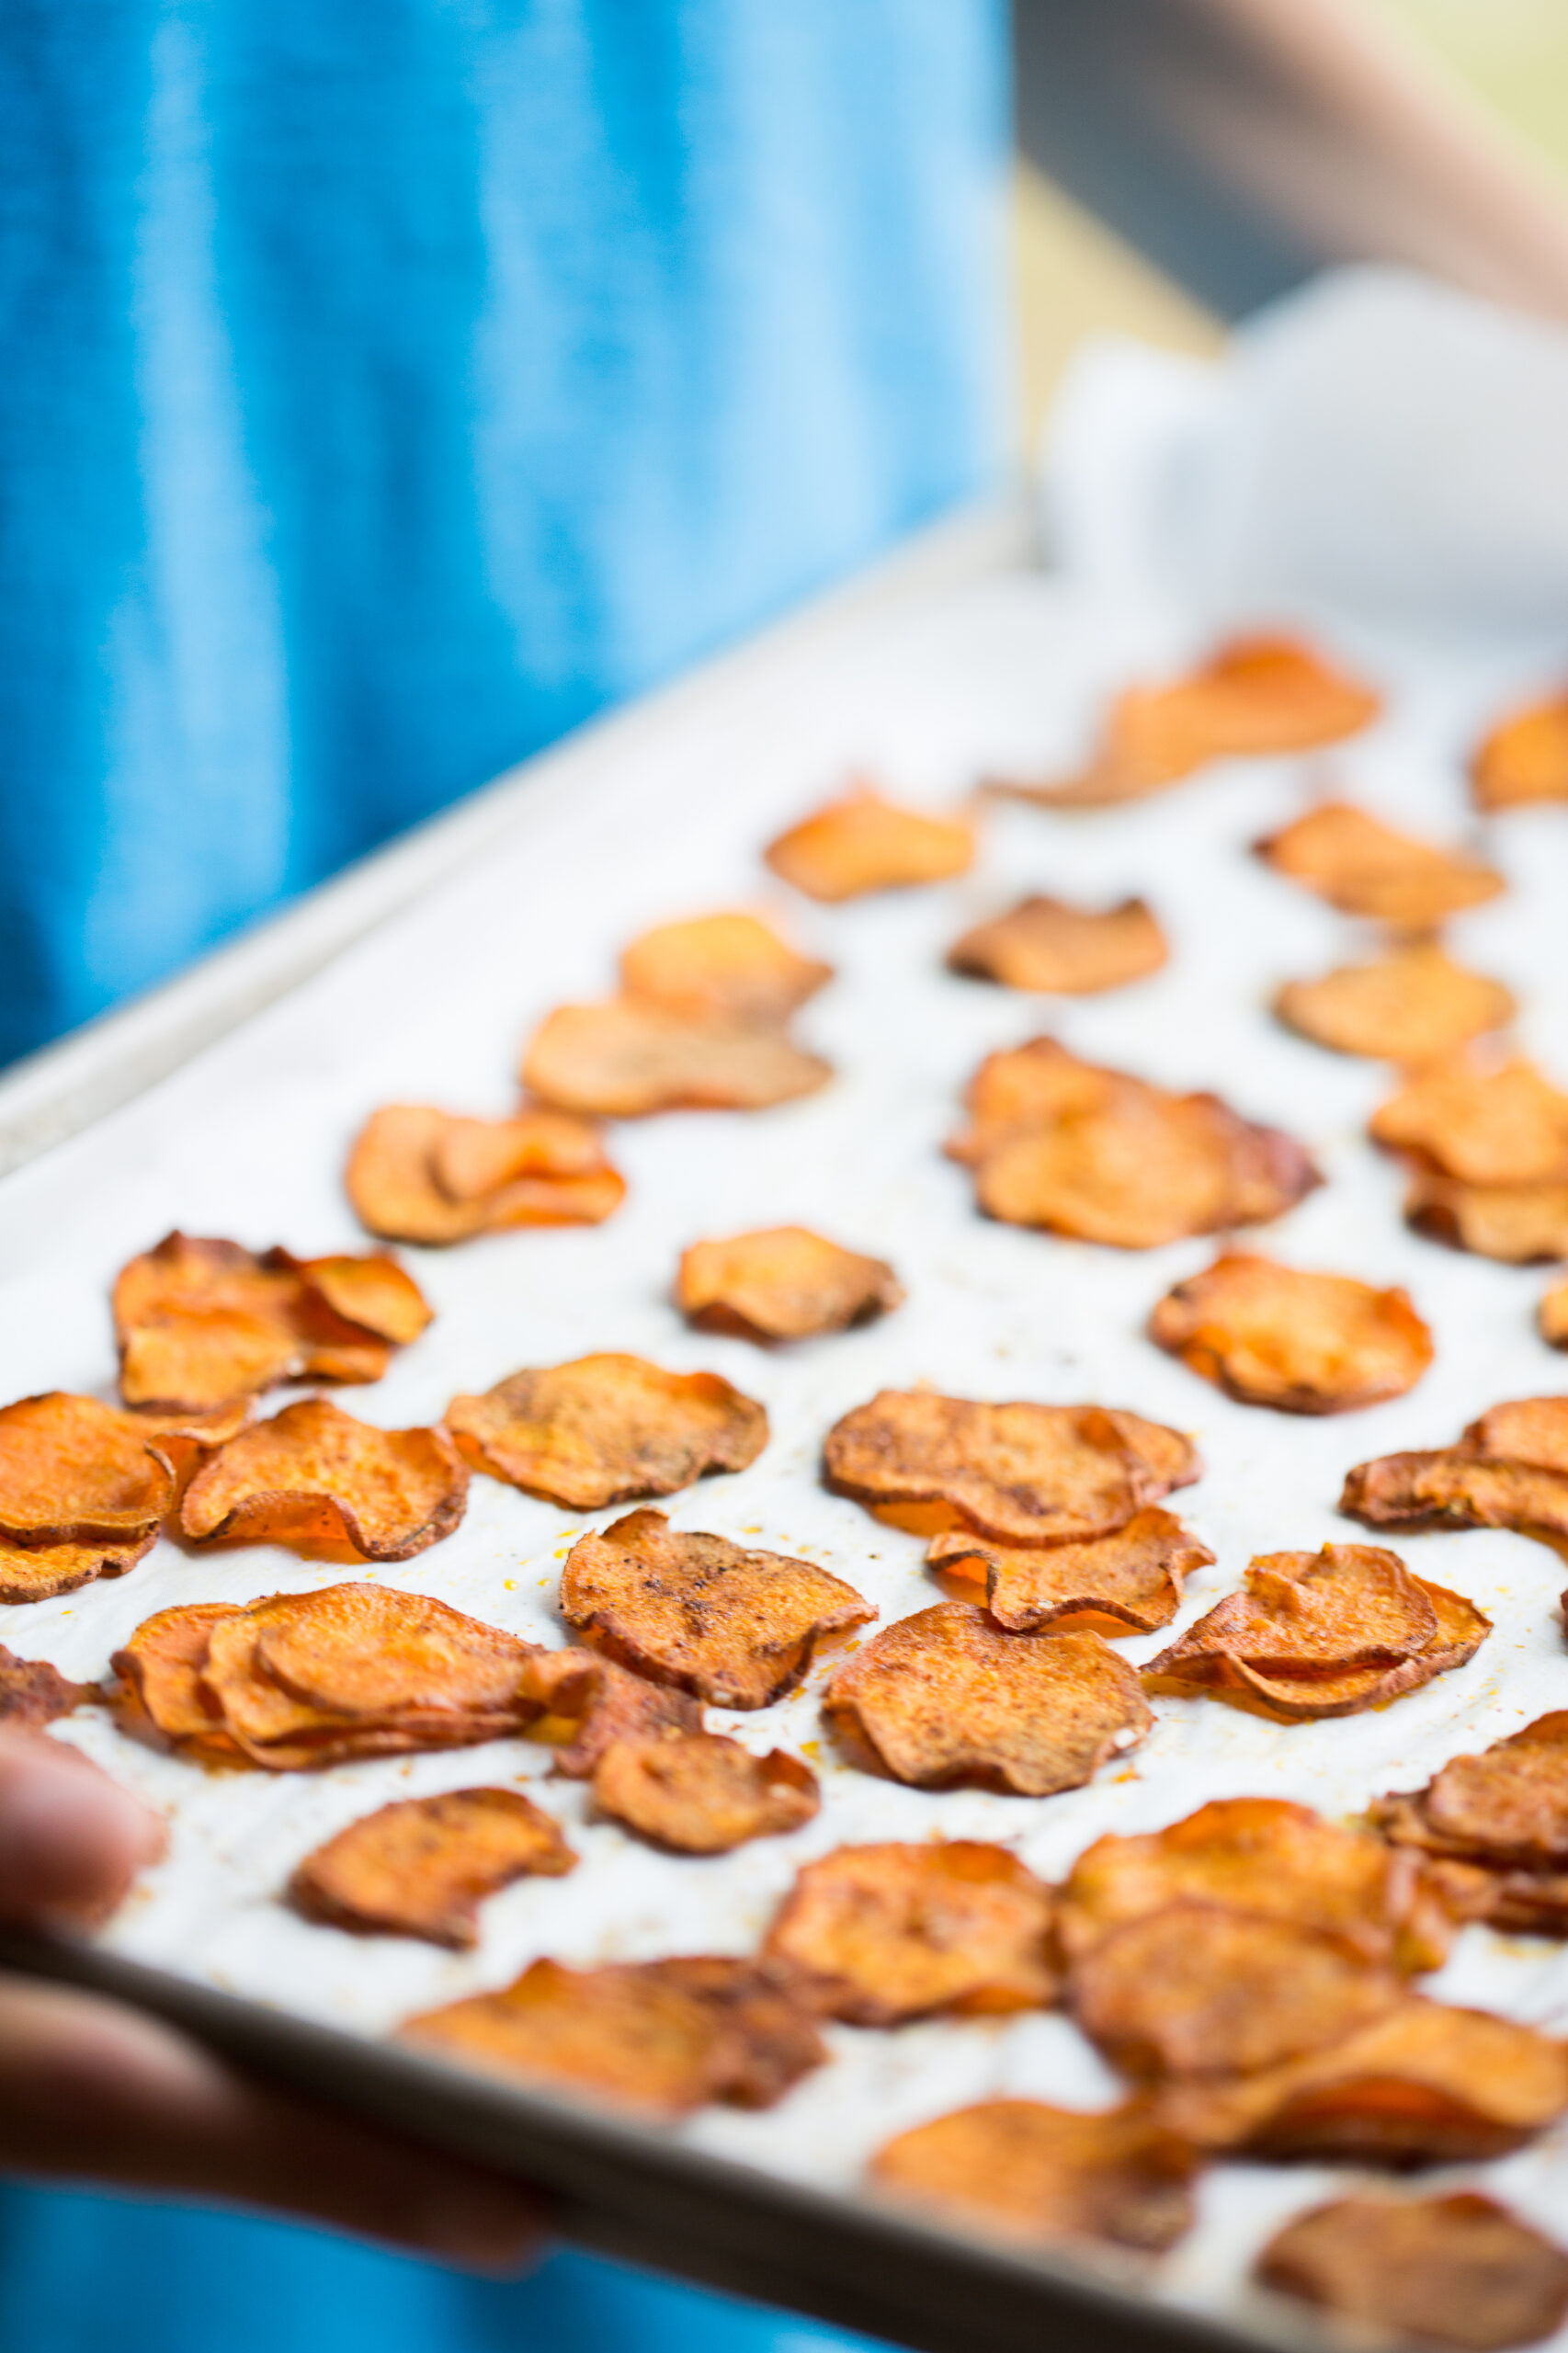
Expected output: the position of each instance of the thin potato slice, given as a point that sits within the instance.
(1502, 1125)
(1023, 2168)
(1524, 760)
(32, 1692)
(1503, 1815)
(721, 968)
(1366, 867)
(1519, 1224)
(703, 1794)
(948, 1697)
(864, 843)
(39, 1572)
(627, 1060)
(1510, 1470)
(313, 1474)
(784, 1284)
(587, 1704)
(1028, 1086)
(160, 1697)
(1457, 2270)
(1045, 944)
(75, 1473)
(875, 1935)
(605, 1429)
(775, 2039)
(1134, 1577)
(1412, 1004)
(1551, 1317)
(419, 1175)
(422, 1867)
(1302, 1343)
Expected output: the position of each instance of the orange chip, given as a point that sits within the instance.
(75, 1473)
(587, 1704)
(1413, 1003)
(864, 843)
(1030, 1087)
(775, 2039)
(1551, 1317)
(1510, 1470)
(161, 1698)
(605, 1429)
(1020, 2167)
(1457, 2270)
(1504, 1815)
(422, 1868)
(1071, 952)
(949, 1697)
(1519, 1224)
(39, 1572)
(32, 1692)
(313, 1474)
(1499, 1125)
(1131, 1578)
(1524, 760)
(625, 1060)
(729, 968)
(875, 1935)
(1031, 1474)
(419, 1175)
(1366, 867)
(1302, 1342)
(703, 1794)
(784, 1284)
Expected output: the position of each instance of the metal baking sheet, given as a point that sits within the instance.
(248, 1140)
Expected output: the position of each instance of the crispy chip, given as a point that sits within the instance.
(1020, 2167)
(1519, 1224)
(625, 1060)
(948, 1697)
(1458, 2269)
(1503, 1815)
(733, 1627)
(784, 1284)
(419, 1175)
(721, 968)
(422, 1868)
(1413, 1003)
(1131, 1578)
(605, 1429)
(879, 1934)
(1487, 1126)
(1510, 1470)
(587, 1703)
(1030, 1086)
(1302, 1342)
(161, 1698)
(1524, 760)
(1071, 952)
(313, 1474)
(703, 1794)
(776, 2040)
(864, 843)
(1031, 1474)
(32, 1692)
(1551, 1317)
(75, 1473)
(1366, 867)
(39, 1572)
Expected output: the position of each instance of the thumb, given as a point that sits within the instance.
(70, 1840)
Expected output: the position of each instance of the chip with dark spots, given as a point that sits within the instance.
(1411, 1005)
(1131, 1579)
(1300, 1342)
(775, 2037)
(424, 1865)
(863, 842)
(606, 1429)
(1458, 2269)
(1509, 1470)
(39, 1572)
(32, 1692)
(1524, 761)
(784, 1284)
(313, 1474)
(1503, 1815)
(702, 1794)
(727, 967)
(627, 1060)
(1028, 2170)
(584, 1704)
(1366, 867)
(1047, 945)
(416, 1174)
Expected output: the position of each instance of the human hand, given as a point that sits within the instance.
(96, 2094)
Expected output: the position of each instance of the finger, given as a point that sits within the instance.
(92, 2092)
(71, 1839)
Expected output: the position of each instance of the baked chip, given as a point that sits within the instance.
(1551, 1317)
(1503, 1814)
(1519, 1224)
(1509, 1470)
(625, 1060)
(731, 967)
(605, 1429)
(875, 1935)
(1020, 2167)
(73, 1472)
(1457, 2270)
(1133, 1578)
(32, 1692)
(1413, 1003)
(784, 1284)
(1366, 867)
(586, 1704)
(313, 1474)
(703, 1794)
(1524, 760)
(419, 1175)
(1047, 945)
(422, 1867)
(1302, 1342)
(864, 843)
(1503, 1124)
(948, 1697)
(1030, 1086)
(776, 2040)
(1028, 1473)
(39, 1572)
(161, 1698)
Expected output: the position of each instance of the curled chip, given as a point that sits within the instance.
(1302, 1342)
(604, 1429)
(721, 968)
(1199, 1989)
(586, 1704)
(1071, 952)
(1499, 1125)
(1131, 1578)
(1423, 2084)
(703, 1794)
(875, 1935)
(32, 1692)
(949, 1697)
(735, 1628)
(1018, 2166)
(1509, 1470)
(1524, 760)
(422, 1868)
(1412, 1004)
(1457, 2270)
(864, 843)
(75, 1473)
(1503, 1815)
(313, 1474)
(1366, 867)
(625, 1060)
(160, 1697)
(785, 1284)
(419, 1175)
(1031, 1474)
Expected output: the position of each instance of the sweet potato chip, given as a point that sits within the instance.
(1030, 1087)
(1069, 952)
(1366, 867)
(1551, 1317)
(1457, 2270)
(733, 1627)
(605, 1429)
(313, 1474)
(75, 1473)
(730, 968)
(1413, 1003)
(879, 1934)
(625, 1060)
(419, 1175)
(1524, 760)
(1499, 1125)
(948, 1697)
(1519, 1224)
(587, 1704)
(1302, 1342)
(32, 1692)
(784, 1284)
(1132, 1577)
(1504, 1815)
(161, 1698)
(39, 1572)
(422, 1868)
(775, 2039)
(864, 843)
(1028, 1473)
(1509, 1470)
(703, 1794)
(1018, 2166)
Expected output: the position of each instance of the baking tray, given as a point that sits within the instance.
(962, 660)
